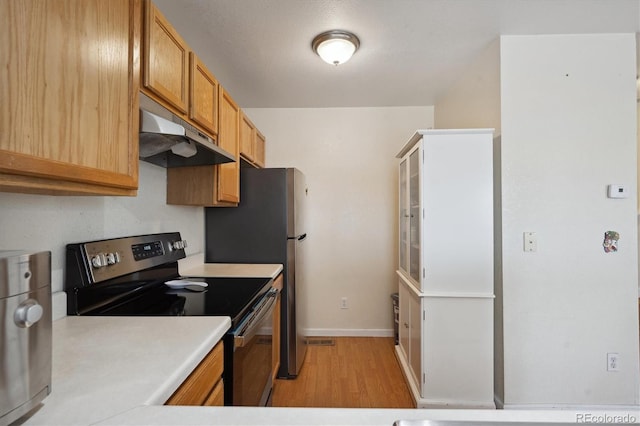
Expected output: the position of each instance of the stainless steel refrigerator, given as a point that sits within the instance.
(268, 227)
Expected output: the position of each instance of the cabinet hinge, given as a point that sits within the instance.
(423, 273)
(424, 315)
(424, 378)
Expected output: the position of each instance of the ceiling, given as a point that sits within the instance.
(411, 50)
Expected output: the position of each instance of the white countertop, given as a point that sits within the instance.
(231, 416)
(104, 366)
(194, 266)
(120, 370)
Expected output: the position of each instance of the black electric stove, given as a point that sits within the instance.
(94, 290)
(127, 276)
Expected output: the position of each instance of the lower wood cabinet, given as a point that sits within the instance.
(204, 385)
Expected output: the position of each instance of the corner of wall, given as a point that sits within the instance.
(474, 100)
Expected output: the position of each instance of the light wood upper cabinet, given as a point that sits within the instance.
(175, 76)
(228, 185)
(69, 90)
(252, 142)
(203, 95)
(247, 137)
(166, 60)
(217, 185)
(259, 149)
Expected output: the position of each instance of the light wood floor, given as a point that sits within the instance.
(357, 372)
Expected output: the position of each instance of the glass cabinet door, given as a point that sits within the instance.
(404, 218)
(414, 215)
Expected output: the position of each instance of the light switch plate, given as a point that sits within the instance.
(617, 191)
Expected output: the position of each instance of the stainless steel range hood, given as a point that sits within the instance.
(168, 141)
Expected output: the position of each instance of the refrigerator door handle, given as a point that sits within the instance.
(300, 238)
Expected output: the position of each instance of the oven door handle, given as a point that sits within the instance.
(246, 331)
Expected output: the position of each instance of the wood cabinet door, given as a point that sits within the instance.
(216, 397)
(202, 381)
(228, 185)
(247, 137)
(69, 87)
(203, 95)
(166, 59)
(259, 149)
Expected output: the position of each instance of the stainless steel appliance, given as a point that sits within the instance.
(127, 276)
(167, 140)
(268, 226)
(25, 332)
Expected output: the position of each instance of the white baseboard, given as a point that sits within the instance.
(346, 332)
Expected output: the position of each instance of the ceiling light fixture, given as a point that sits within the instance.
(336, 46)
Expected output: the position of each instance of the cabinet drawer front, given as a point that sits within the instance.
(216, 397)
(197, 387)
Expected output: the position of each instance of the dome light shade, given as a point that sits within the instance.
(335, 47)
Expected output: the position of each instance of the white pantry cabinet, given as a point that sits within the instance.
(446, 210)
(446, 263)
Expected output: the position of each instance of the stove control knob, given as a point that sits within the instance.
(177, 245)
(99, 260)
(113, 258)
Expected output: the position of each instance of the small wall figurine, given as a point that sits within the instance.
(610, 242)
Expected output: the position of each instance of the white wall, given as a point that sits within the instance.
(568, 124)
(43, 222)
(474, 100)
(348, 157)
(568, 130)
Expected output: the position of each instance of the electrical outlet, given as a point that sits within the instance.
(530, 241)
(613, 362)
(344, 303)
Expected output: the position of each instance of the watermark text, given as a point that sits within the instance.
(604, 418)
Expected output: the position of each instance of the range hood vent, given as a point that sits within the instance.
(168, 141)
